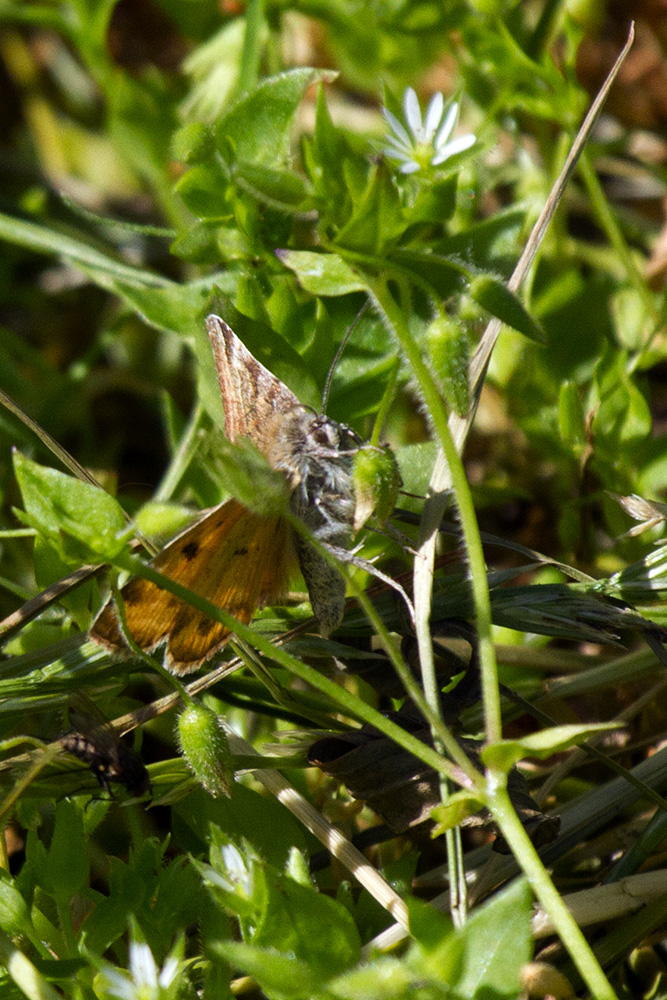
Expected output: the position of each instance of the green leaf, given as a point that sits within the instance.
(322, 273)
(292, 911)
(61, 507)
(377, 220)
(278, 974)
(246, 815)
(623, 416)
(162, 303)
(14, 914)
(571, 416)
(67, 869)
(250, 478)
(203, 190)
(435, 202)
(280, 913)
(258, 128)
(142, 116)
(384, 978)
(192, 142)
(325, 155)
(282, 189)
(505, 753)
(497, 942)
(496, 298)
(458, 807)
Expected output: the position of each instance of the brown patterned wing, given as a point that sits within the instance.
(251, 395)
(232, 557)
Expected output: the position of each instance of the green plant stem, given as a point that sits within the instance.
(496, 796)
(348, 702)
(443, 738)
(395, 318)
(458, 889)
(469, 528)
(385, 404)
(566, 926)
(182, 456)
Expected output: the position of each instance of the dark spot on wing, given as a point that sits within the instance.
(132, 592)
(243, 551)
(190, 550)
(205, 626)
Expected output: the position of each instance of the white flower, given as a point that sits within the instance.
(424, 142)
(144, 981)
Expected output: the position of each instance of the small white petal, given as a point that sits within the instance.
(433, 115)
(413, 115)
(397, 127)
(400, 157)
(168, 972)
(118, 984)
(452, 148)
(410, 168)
(142, 964)
(396, 148)
(448, 125)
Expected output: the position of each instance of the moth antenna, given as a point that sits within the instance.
(339, 353)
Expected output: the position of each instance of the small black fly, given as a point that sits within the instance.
(95, 742)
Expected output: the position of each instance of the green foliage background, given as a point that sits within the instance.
(160, 160)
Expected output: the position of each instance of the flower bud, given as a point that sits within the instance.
(376, 483)
(204, 745)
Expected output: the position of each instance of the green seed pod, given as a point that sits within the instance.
(204, 745)
(376, 483)
(449, 350)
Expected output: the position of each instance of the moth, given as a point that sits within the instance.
(232, 556)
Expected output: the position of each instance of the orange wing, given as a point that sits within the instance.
(232, 557)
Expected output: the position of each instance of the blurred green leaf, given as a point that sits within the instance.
(258, 127)
(279, 974)
(459, 806)
(376, 220)
(61, 508)
(497, 943)
(67, 869)
(496, 298)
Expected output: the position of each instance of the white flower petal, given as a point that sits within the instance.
(142, 964)
(118, 984)
(410, 168)
(433, 115)
(448, 124)
(397, 127)
(168, 972)
(396, 148)
(413, 115)
(400, 157)
(452, 148)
